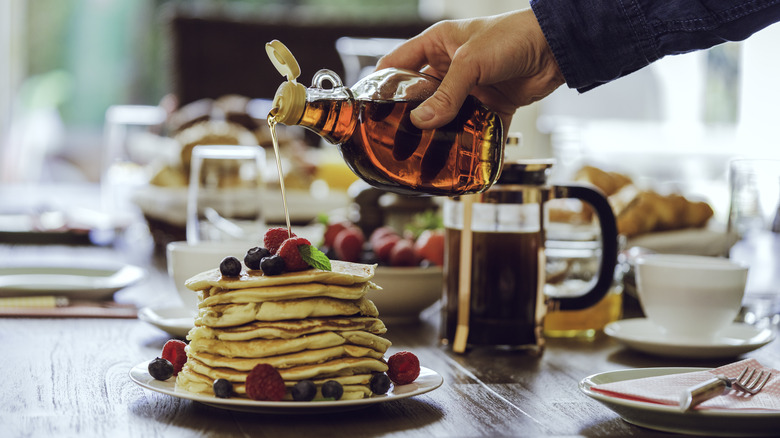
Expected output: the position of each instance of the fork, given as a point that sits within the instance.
(719, 385)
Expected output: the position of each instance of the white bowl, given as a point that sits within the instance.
(689, 296)
(406, 291)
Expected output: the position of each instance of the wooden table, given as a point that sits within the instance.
(69, 377)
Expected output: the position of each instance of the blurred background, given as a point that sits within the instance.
(64, 63)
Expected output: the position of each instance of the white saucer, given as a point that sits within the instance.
(706, 422)
(640, 334)
(427, 381)
(177, 321)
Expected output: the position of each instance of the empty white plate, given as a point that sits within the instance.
(642, 335)
(72, 282)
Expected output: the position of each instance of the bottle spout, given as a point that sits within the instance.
(283, 60)
(290, 98)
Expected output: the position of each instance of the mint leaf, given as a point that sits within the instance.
(314, 257)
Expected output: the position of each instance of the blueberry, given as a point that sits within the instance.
(304, 390)
(230, 267)
(272, 265)
(254, 256)
(223, 388)
(379, 383)
(161, 369)
(332, 389)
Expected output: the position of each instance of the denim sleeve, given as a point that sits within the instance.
(597, 41)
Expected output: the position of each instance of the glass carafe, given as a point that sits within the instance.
(495, 260)
(371, 125)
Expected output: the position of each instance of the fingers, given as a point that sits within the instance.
(410, 55)
(443, 106)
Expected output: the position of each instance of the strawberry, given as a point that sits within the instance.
(292, 257)
(403, 368)
(349, 244)
(173, 352)
(274, 238)
(380, 233)
(384, 246)
(430, 246)
(265, 383)
(332, 231)
(403, 254)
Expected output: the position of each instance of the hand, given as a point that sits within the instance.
(503, 60)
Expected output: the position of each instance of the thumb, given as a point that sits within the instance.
(444, 104)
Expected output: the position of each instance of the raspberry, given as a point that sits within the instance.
(403, 368)
(173, 352)
(292, 257)
(274, 238)
(265, 383)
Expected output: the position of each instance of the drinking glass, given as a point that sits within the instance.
(225, 195)
(131, 141)
(754, 219)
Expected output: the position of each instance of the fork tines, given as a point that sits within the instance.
(743, 383)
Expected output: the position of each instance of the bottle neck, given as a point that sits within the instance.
(333, 119)
(328, 107)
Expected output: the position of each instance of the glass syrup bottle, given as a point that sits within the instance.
(371, 125)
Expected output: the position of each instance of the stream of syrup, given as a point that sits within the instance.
(272, 126)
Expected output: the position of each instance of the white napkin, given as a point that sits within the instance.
(667, 389)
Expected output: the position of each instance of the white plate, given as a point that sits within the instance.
(709, 422)
(75, 283)
(177, 321)
(426, 382)
(640, 334)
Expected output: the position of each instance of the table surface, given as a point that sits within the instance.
(70, 377)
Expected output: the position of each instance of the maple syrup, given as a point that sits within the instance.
(380, 145)
(272, 127)
(371, 124)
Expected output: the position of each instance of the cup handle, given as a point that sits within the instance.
(609, 243)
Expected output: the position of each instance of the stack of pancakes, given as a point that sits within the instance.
(310, 325)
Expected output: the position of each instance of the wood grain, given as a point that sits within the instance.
(69, 377)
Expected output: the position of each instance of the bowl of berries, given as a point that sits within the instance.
(409, 267)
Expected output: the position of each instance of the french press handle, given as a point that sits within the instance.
(609, 246)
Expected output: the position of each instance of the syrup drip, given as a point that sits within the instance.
(272, 126)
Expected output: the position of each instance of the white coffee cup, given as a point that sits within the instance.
(690, 298)
(187, 259)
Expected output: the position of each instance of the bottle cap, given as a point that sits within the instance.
(283, 60)
(290, 98)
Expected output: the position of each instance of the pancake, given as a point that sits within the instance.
(308, 325)
(355, 386)
(258, 348)
(287, 329)
(216, 296)
(344, 366)
(226, 315)
(306, 357)
(342, 273)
